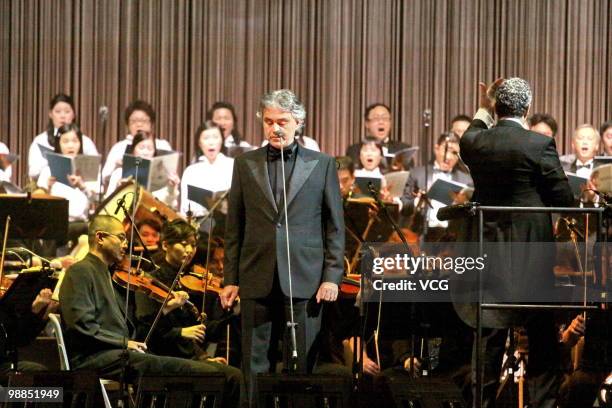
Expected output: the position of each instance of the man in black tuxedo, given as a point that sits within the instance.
(512, 166)
(256, 263)
(445, 167)
(378, 123)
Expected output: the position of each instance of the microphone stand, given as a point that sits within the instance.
(125, 355)
(374, 193)
(103, 118)
(206, 274)
(291, 324)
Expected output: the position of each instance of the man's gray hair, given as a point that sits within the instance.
(285, 100)
(512, 98)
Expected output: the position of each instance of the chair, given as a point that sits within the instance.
(56, 324)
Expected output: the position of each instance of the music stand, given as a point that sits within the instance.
(17, 301)
(35, 217)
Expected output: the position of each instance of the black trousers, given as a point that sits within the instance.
(264, 323)
(109, 365)
(544, 366)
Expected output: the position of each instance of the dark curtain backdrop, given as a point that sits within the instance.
(337, 55)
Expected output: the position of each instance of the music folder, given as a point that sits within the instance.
(152, 174)
(363, 184)
(577, 183)
(396, 182)
(202, 196)
(444, 191)
(84, 165)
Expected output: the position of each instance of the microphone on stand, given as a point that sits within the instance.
(120, 204)
(427, 118)
(278, 132)
(103, 113)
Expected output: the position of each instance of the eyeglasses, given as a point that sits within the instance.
(380, 119)
(121, 237)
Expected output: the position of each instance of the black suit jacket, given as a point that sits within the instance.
(91, 310)
(255, 227)
(512, 166)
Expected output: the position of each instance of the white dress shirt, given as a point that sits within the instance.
(78, 200)
(582, 171)
(36, 161)
(5, 175)
(116, 153)
(216, 176)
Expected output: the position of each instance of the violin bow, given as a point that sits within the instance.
(7, 225)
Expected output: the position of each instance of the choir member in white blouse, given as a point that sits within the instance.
(223, 115)
(6, 170)
(370, 159)
(139, 117)
(61, 112)
(212, 172)
(79, 194)
(143, 146)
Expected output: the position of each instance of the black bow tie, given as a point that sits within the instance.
(275, 154)
(583, 166)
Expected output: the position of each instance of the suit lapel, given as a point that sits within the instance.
(303, 168)
(259, 167)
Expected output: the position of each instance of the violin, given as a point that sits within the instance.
(194, 281)
(349, 287)
(151, 287)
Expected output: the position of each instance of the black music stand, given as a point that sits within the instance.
(35, 217)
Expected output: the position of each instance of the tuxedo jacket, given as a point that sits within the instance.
(255, 246)
(512, 166)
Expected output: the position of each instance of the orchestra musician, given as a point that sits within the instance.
(512, 166)
(22, 329)
(179, 332)
(98, 334)
(61, 113)
(444, 167)
(256, 265)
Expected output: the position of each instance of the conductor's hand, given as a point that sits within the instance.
(487, 95)
(136, 346)
(328, 292)
(196, 332)
(228, 296)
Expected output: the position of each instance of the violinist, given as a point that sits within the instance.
(98, 336)
(179, 331)
(149, 230)
(444, 166)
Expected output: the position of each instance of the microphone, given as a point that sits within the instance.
(103, 113)
(427, 118)
(138, 258)
(278, 131)
(120, 204)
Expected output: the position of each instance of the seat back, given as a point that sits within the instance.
(59, 337)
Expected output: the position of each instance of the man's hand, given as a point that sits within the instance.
(487, 95)
(228, 296)
(575, 331)
(328, 292)
(370, 366)
(43, 301)
(196, 332)
(136, 346)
